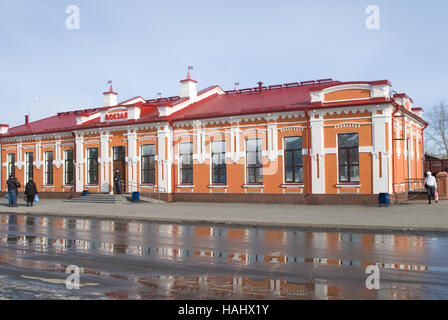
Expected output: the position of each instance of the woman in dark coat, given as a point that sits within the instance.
(30, 192)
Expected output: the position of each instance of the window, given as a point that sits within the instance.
(68, 167)
(28, 166)
(148, 164)
(11, 164)
(219, 162)
(119, 153)
(348, 157)
(254, 164)
(186, 163)
(49, 167)
(293, 160)
(92, 166)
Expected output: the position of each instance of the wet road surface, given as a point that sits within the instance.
(119, 259)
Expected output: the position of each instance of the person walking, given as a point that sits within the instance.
(431, 186)
(117, 178)
(13, 185)
(30, 192)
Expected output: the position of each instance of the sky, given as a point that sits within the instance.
(145, 47)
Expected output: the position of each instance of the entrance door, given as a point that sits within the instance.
(120, 164)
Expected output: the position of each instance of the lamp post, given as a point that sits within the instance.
(35, 99)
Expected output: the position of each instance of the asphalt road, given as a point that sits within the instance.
(121, 259)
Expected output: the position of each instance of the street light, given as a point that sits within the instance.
(35, 99)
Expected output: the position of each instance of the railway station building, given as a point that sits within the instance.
(314, 142)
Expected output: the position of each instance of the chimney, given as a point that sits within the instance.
(260, 86)
(26, 119)
(418, 111)
(110, 97)
(188, 88)
(4, 128)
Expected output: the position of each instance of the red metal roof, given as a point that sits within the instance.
(273, 98)
(57, 123)
(292, 96)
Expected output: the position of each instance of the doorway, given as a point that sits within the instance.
(119, 155)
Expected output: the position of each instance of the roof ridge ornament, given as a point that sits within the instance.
(188, 78)
(110, 97)
(111, 90)
(188, 87)
(188, 74)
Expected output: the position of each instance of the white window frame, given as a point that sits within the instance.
(211, 162)
(180, 163)
(284, 159)
(46, 153)
(356, 184)
(64, 167)
(26, 166)
(9, 163)
(245, 163)
(155, 165)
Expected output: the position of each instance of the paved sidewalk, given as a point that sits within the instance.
(416, 215)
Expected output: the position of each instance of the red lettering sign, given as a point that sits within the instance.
(116, 116)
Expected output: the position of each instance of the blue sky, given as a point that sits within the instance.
(146, 46)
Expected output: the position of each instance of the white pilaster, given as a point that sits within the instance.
(203, 153)
(237, 144)
(79, 163)
(38, 155)
(391, 152)
(169, 131)
(317, 150)
(232, 145)
(272, 141)
(397, 143)
(198, 150)
(162, 166)
(105, 161)
(132, 160)
(379, 146)
(57, 154)
(19, 157)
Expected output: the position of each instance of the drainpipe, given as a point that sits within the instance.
(1, 167)
(74, 159)
(172, 165)
(397, 107)
(309, 148)
(423, 149)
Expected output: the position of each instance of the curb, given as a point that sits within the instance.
(243, 223)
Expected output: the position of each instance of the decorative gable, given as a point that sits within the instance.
(351, 91)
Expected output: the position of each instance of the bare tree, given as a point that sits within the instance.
(436, 134)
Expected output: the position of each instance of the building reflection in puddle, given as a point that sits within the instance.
(128, 238)
(283, 239)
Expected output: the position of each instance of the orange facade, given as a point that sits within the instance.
(350, 138)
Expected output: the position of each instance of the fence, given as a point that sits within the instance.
(415, 185)
(132, 186)
(436, 166)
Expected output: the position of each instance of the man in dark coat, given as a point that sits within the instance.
(30, 192)
(117, 178)
(13, 184)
